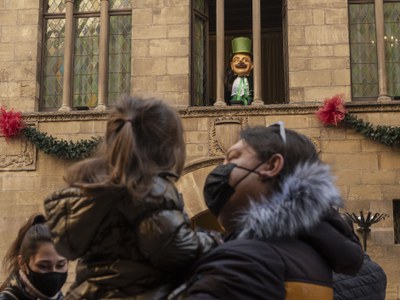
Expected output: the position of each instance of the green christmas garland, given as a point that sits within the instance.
(387, 135)
(61, 148)
(334, 113)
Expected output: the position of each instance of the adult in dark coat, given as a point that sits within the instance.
(275, 199)
(368, 284)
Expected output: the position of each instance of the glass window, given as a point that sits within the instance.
(88, 25)
(392, 47)
(364, 66)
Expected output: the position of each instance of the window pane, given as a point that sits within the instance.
(200, 5)
(199, 62)
(392, 47)
(86, 62)
(53, 62)
(55, 6)
(119, 57)
(88, 5)
(120, 4)
(364, 71)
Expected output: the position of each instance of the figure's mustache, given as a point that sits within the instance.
(241, 65)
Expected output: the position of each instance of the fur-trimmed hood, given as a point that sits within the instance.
(305, 197)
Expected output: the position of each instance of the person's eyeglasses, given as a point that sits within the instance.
(281, 130)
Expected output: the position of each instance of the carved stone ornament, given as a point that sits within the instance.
(225, 132)
(17, 154)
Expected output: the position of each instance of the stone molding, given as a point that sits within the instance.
(213, 111)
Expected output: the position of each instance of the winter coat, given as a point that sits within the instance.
(368, 284)
(285, 246)
(125, 246)
(16, 291)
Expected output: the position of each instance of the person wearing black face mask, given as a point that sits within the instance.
(275, 200)
(35, 270)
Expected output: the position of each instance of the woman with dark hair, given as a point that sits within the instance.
(122, 215)
(34, 269)
(275, 199)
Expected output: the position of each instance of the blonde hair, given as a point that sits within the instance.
(144, 137)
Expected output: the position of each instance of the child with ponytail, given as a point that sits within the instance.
(122, 215)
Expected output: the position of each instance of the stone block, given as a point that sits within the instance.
(178, 31)
(310, 78)
(172, 83)
(330, 63)
(321, 51)
(10, 89)
(177, 65)
(299, 64)
(326, 35)
(8, 18)
(318, 17)
(336, 16)
(366, 192)
(149, 66)
(145, 32)
(178, 98)
(382, 236)
(296, 94)
(26, 51)
(189, 124)
(296, 36)
(300, 17)
(299, 51)
(341, 77)
(389, 161)
(379, 177)
(169, 47)
(28, 17)
(6, 54)
(58, 129)
(348, 177)
(147, 83)
(171, 15)
(352, 162)
(345, 146)
(140, 48)
(312, 4)
(141, 16)
(323, 92)
(19, 33)
(341, 50)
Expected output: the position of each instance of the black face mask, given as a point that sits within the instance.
(48, 284)
(217, 189)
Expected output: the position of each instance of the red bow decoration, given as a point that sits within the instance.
(333, 111)
(11, 123)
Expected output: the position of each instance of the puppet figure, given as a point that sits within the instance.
(241, 66)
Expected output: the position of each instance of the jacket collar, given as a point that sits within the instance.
(305, 197)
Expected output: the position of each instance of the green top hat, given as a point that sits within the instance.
(241, 45)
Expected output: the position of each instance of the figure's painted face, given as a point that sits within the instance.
(242, 64)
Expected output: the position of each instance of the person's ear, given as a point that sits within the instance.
(251, 66)
(273, 166)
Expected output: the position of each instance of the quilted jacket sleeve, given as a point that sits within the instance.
(73, 220)
(165, 237)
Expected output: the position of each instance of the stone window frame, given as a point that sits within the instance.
(70, 15)
(380, 46)
(220, 39)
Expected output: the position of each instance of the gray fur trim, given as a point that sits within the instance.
(306, 196)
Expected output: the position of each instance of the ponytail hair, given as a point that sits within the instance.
(33, 233)
(144, 137)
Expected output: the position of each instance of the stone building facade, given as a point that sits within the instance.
(316, 56)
